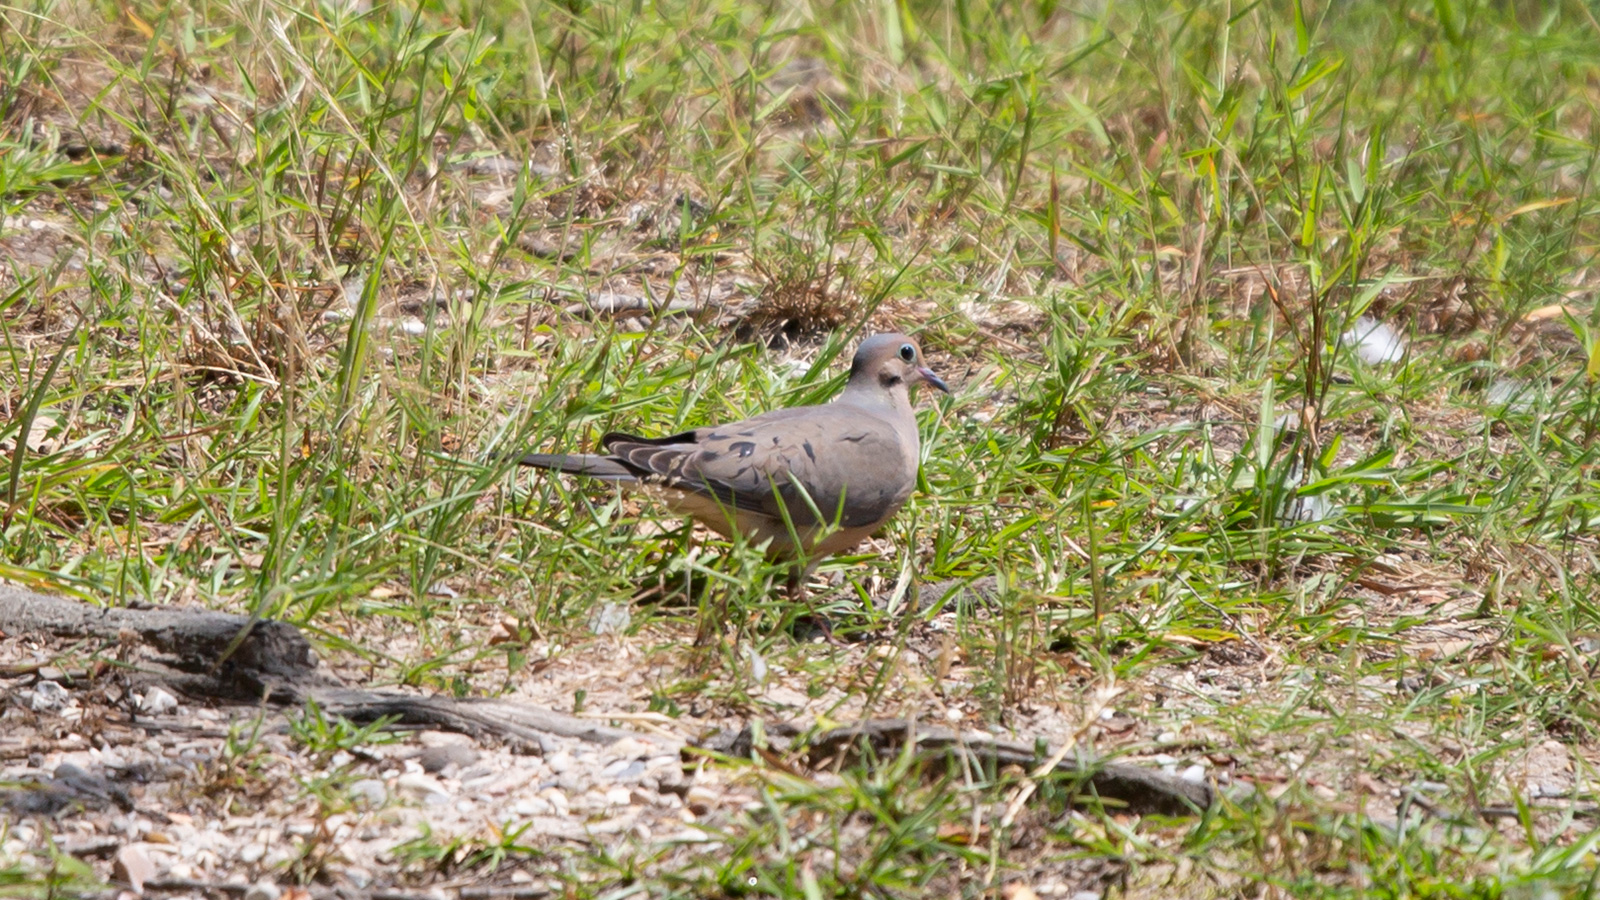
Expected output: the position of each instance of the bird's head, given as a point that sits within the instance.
(890, 361)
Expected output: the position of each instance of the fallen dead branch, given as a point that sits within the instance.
(1135, 788)
(234, 658)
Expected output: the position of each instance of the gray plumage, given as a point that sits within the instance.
(837, 471)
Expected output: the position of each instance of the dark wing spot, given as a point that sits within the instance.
(743, 448)
(774, 440)
(716, 436)
(854, 438)
(747, 434)
(810, 451)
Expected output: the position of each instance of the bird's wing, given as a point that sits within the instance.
(855, 467)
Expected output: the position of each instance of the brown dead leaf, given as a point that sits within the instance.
(506, 631)
(959, 833)
(1018, 890)
(1440, 648)
(1366, 784)
(1546, 313)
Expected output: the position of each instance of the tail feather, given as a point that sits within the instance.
(590, 464)
(622, 437)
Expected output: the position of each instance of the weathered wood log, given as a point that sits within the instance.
(228, 657)
(268, 655)
(520, 725)
(1139, 789)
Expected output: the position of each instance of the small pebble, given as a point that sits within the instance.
(251, 854)
(370, 791)
(629, 748)
(533, 806)
(624, 770)
(700, 799)
(157, 702)
(358, 876)
(133, 867)
(420, 787)
(265, 889)
(437, 759)
(557, 800)
(48, 696)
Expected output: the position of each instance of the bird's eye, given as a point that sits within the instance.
(908, 353)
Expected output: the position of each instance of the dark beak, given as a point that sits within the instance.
(929, 377)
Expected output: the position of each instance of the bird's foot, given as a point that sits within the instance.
(813, 625)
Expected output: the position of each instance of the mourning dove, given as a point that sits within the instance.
(829, 475)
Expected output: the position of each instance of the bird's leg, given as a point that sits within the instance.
(673, 589)
(798, 587)
(713, 615)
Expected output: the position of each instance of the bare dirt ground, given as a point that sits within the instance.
(160, 793)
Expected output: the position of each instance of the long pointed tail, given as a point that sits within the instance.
(590, 464)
